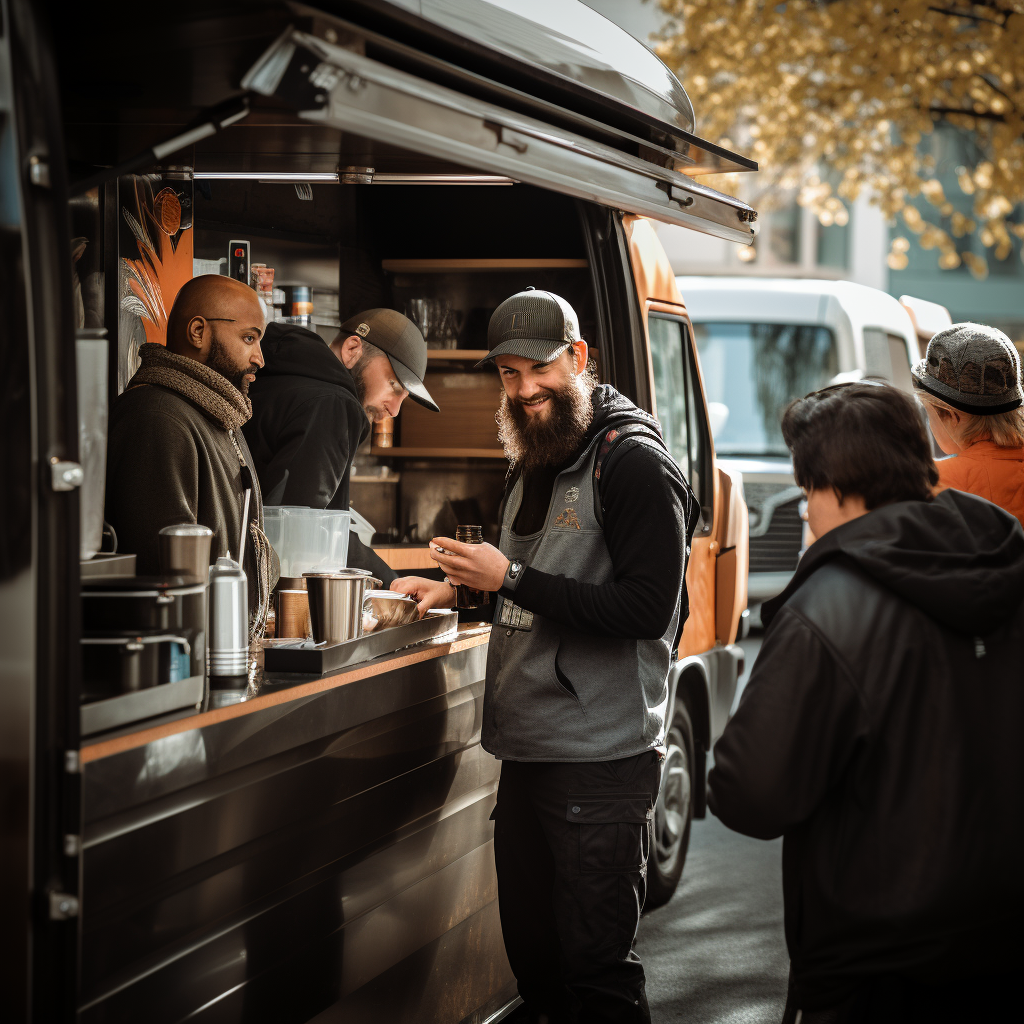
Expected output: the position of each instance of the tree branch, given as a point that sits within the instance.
(953, 12)
(949, 111)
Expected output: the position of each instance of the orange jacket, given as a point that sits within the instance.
(990, 472)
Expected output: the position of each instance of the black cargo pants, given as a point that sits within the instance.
(570, 848)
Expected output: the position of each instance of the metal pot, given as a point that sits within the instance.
(148, 607)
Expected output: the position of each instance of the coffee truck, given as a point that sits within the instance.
(316, 846)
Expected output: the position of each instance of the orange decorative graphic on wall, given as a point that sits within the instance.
(164, 262)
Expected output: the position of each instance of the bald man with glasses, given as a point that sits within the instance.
(176, 453)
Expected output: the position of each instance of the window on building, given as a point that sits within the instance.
(784, 233)
(834, 244)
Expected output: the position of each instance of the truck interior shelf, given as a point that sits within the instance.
(441, 453)
(452, 354)
(440, 266)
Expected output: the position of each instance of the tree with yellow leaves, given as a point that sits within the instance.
(855, 86)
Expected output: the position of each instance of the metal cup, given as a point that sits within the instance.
(336, 604)
(185, 550)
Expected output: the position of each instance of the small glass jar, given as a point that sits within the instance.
(469, 597)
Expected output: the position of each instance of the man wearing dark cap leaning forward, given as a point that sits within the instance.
(312, 406)
(590, 602)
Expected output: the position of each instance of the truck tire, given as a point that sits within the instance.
(673, 813)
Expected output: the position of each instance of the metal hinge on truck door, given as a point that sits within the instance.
(63, 906)
(65, 476)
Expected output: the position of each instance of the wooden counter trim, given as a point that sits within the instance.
(468, 638)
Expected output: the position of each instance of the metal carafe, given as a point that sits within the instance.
(228, 649)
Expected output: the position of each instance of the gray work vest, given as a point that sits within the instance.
(556, 694)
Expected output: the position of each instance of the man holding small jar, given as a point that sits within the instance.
(588, 578)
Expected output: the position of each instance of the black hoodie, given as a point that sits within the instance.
(880, 735)
(649, 517)
(307, 422)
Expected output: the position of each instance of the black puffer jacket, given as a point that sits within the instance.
(880, 733)
(307, 422)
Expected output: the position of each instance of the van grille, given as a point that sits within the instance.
(779, 548)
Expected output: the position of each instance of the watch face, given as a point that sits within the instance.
(515, 569)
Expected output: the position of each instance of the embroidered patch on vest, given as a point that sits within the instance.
(568, 519)
(572, 494)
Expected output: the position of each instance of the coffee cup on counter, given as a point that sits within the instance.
(336, 603)
(292, 614)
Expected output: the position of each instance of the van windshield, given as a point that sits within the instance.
(752, 372)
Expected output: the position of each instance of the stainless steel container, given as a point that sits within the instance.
(229, 620)
(185, 550)
(336, 604)
(383, 609)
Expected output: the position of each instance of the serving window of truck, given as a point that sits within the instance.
(316, 846)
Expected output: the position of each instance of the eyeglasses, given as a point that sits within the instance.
(223, 319)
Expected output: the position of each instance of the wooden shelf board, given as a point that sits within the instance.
(440, 453)
(439, 354)
(403, 559)
(440, 266)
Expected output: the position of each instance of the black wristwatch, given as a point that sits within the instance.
(512, 574)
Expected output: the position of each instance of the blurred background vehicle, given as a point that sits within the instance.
(763, 342)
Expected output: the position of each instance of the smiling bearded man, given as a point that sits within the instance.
(591, 599)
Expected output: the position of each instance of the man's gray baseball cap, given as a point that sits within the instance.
(973, 368)
(400, 340)
(532, 324)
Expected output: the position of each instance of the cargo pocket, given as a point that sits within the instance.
(614, 831)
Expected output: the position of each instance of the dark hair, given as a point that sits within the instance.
(860, 438)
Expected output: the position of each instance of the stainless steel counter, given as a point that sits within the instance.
(320, 851)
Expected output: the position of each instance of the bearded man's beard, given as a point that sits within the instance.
(221, 362)
(531, 442)
(359, 377)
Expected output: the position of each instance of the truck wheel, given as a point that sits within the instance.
(673, 813)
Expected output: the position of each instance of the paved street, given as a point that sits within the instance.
(716, 953)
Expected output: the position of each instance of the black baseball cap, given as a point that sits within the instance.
(533, 324)
(400, 340)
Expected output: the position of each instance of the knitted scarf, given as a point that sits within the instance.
(211, 391)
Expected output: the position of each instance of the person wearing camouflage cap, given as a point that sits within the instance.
(970, 384)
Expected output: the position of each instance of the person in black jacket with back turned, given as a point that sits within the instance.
(313, 407)
(880, 730)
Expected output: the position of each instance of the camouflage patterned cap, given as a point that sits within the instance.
(973, 368)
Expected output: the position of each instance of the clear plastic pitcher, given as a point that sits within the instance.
(307, 539)
(337, 525)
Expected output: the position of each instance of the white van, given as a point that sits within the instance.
(764, 342)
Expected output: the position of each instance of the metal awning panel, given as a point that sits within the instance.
(343, 89)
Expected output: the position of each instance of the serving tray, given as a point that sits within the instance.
(306, 657)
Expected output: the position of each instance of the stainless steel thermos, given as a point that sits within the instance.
(229, 620)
